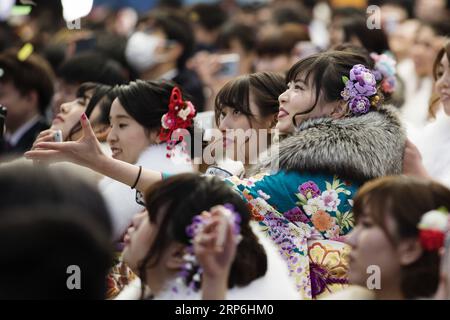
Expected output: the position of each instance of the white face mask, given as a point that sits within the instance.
(141, 51)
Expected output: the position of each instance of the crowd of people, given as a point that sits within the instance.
(226, 150)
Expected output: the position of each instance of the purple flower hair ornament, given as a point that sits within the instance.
(360, 90)
(190, 273)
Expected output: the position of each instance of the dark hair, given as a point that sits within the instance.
(210, 16)
(439, 28)
(34, 73)
(194, 194)
(245, 34)
(445, 50)
(345, 12)
(147, 101)
(374, 40)
(283, 40)
(291, 12)
(103, 95)
(397, 98)
(175, 26)
(405, 199)
(326, 70)
(91, 67)
(24, 184)
(265, 87)
(41, 243)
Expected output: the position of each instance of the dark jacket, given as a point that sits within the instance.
(26, 141)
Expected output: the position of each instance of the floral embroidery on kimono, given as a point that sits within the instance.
(300, 212)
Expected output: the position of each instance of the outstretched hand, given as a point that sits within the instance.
(85, 152)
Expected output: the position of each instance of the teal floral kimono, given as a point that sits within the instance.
(301, 200)
(302, 196)
(305, 215)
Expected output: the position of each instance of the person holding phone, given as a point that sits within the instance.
(329, 147)
(93, 99)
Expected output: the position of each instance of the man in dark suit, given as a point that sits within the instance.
(26, 88)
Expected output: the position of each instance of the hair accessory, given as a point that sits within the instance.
(25, 52)
(180, 116)
(191, 272)
(433, 227)
(385, 71)
(360, 90)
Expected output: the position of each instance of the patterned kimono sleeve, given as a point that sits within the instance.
(304, 214)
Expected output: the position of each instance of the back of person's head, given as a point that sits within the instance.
(176, 27)
(374, 40)
(405, 200)
(283, 40)
(345, 12)
(91, 67)
(210, 16)
(264, 87)
(291, 12)
(32, 74)
(195, 194)
(52, 252)
(30, 186)
(245, 35)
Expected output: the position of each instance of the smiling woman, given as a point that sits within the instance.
(134, 137)
(436, 155)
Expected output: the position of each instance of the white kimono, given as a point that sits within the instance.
(121, 199)
(434, 144)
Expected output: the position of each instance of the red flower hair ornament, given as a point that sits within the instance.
(180, 116)
(433, 227)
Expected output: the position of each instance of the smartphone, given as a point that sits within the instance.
(57, 136)
(229, 65)
(225, 221)
(3, 112)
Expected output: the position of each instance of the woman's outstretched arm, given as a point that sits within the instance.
(87, 152)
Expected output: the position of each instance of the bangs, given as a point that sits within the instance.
(235, 95)
(373, 202)
(304, 67)
(85, 87)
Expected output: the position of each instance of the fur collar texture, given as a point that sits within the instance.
(358, 148)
